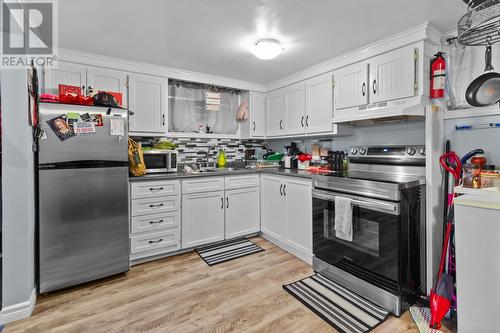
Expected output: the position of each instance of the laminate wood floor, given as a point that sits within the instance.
(182, 294)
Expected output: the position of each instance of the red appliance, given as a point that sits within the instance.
(438, 76)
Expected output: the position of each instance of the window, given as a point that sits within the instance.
(187, 109)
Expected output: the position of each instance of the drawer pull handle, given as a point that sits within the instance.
(153, 189)
(156, 206)
(156, 222)
(156, 241)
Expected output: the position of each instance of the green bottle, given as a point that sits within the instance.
(221, 159)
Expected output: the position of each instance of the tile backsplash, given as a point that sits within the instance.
(193, 150)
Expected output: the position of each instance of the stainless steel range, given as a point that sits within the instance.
(385, 261)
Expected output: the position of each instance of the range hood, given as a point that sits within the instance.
(412, 108)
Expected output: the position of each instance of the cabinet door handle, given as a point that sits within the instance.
(281, 124)
(156, 206)
(363, 89)
(163, 119)
(302, 121)
(284, 187)
(156, 222)
(156, 241)
(155, 189)
(307, 121)
(374, 86)
(221, 203)
(227, 202)
(281, 189)
(254, 126)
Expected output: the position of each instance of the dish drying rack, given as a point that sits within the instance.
(480, 26)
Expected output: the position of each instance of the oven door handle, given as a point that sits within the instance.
(392, 208)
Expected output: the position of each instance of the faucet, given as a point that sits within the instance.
(207, 156)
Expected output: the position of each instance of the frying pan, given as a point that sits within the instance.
(485, 89)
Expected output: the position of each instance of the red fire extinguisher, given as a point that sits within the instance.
(438, 75)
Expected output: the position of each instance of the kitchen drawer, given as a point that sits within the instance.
(236, 182)
(168, 240)
(202, 184)
(155, 222)
(155, 205)
(140, 190)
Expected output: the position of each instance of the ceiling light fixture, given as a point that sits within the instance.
(267, 48)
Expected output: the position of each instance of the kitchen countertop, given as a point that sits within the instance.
(227, 172)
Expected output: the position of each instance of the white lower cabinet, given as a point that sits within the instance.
(286, 214)
(202, 218)
(155, 221)
(218, 208)
(298, 198)
(242, 212)
(272, 207)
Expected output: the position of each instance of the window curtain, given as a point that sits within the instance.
(187, 109)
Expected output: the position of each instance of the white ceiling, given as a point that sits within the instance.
(212, 36)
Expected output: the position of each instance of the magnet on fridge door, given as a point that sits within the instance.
(116, 127)
(61, 127)
(84, 128)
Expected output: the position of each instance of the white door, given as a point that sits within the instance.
(392, 75)
(351, 86)
(295, 109)
(257, 114)
(298, 198)
(202, 218)
(67, 73)
(275, 113)
(272, 205)
(242, 212)
(103, 79)
(319, 104)
(148, 100)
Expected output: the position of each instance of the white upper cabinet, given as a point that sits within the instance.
(351, 86)
(319, 104)
(275, 113)
(103, 79)
(392, 75)
(148, 100)
(257, 114)
(67, 73)
(295, 109)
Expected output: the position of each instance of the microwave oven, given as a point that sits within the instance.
(160, 161)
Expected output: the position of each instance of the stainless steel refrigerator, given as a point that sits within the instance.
(83, 194)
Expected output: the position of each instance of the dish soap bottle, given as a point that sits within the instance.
(221, 159)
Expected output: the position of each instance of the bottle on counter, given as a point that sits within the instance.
(221, 159)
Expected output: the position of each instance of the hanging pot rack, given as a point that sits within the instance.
(480, 26)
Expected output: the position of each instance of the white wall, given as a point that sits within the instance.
(18, 194)
(380, 134)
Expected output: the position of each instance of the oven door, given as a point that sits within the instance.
(156, 162)
(373, 254)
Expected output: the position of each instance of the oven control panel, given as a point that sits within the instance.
(381, 154)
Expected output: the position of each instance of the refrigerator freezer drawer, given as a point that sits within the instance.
(141, 190)
(165, 240)
(155, 205)
(155, 222)
(84, 226)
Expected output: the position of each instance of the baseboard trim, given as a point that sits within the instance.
(18, 311)
(307, 257)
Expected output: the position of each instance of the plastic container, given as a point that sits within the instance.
(489, 176)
